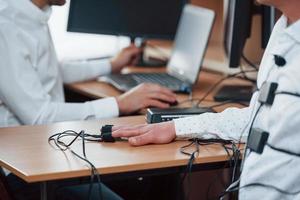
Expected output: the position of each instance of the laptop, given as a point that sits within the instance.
(184, 65)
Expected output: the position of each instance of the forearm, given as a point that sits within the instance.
(84, 70)
(52, 112)
(230, 124)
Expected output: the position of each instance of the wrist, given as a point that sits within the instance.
(113, 66)
(121, 106)
(170, 126)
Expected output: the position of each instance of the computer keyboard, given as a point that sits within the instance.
(159, 78)
(125, 82)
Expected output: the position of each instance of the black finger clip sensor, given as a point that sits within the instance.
(106, 133)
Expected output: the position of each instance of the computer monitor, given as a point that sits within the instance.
(134, 18)
(238, 21)
(238, 27)
(268, 23)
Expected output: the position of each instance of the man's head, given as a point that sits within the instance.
(271, 2)
(57, 2)
(42, 3)
(290, 8)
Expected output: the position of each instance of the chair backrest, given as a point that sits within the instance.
(4, 194)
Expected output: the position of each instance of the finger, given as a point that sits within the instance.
(114, 128)
(130, 132)
(135, 60)
(157, 104)
(128, 127)
(163, 97)
(141, 140)
(160, 89)
(133, 51)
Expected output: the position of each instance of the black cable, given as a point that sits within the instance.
(218, 83)
(233, 159)
(189, 166)
(283, 150)
(287, 93)
(236, 183)
(245, 77)
(226, 102)
(200, 100)
(249, 62)
(57, 139)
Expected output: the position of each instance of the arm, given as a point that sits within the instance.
(78, 71)
(88, 70)
(226, 125)
(22, 92)
(232, 123)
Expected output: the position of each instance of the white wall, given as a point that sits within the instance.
(70, 46)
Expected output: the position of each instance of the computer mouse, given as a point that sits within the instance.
(175, 103)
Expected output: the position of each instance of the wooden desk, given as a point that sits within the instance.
(26, 153)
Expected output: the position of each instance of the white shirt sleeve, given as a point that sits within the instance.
(84, 70)
(29, 99)
(232, 123)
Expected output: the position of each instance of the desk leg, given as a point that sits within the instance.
(43, 187)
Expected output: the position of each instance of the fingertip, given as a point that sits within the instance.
(115, 133)
(133, 141)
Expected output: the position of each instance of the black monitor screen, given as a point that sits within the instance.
(237, 29)
(135, 18)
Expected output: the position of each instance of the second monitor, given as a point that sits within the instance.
(134, 18)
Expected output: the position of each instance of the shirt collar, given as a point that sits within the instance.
(293, 30)
(27, 9)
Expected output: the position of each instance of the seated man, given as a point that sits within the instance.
(31, 79)
(264, 176)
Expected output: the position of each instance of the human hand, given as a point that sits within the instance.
(128, 56)
(139, 135)
(144, 96)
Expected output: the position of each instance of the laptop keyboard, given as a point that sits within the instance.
(125, 82)
(159, 78)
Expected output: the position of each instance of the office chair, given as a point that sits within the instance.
(4, 193)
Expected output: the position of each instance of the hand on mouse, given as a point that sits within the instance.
(144, 96)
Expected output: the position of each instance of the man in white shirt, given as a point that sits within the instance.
(31, 79)
(271, 171)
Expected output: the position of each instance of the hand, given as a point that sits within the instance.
(128, 56)
(161, 133)
(144, 96)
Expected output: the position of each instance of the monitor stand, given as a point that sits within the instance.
(235, 93)
(153, 62)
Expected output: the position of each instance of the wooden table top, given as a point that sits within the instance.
(25, 152)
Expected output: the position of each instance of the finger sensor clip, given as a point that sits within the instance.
(106, 133)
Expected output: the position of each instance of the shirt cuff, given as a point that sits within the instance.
(105, 108)
(201, 126)
(100, 67)
(182, 127)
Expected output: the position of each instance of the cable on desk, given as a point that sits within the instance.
(189, 166)
(219, 82)
(57, 139)
(251, 64)
(233, 158)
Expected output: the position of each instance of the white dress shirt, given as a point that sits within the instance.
(31, 78)
(281, 120)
